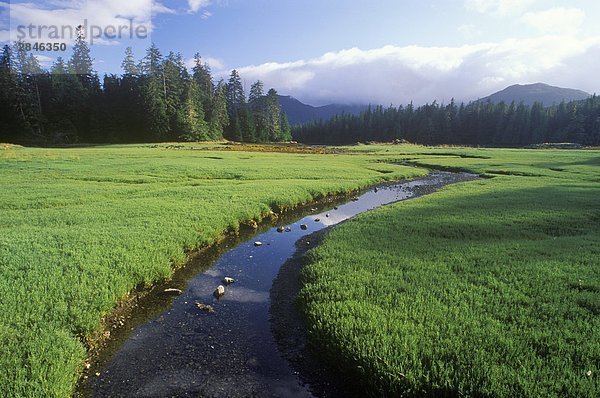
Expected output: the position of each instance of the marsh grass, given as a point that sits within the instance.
(487, 288)
(80, 228)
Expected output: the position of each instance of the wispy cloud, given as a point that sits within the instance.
(215, 64)
(499, 8)
(44, 60)
(558, 20)
(196, 5)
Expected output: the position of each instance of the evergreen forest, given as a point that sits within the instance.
(156, 99)
(477, 123)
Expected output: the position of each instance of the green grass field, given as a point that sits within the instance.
(489, 288)
(80, 228)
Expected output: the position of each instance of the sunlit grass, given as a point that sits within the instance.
(488, 288)
(82, 227)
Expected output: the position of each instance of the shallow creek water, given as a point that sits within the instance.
(182, 351)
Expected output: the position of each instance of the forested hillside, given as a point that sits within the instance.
(477, 123)
(299, 113)
(155, 99)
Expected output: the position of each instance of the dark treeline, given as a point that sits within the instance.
(155, 99)
(477, 123)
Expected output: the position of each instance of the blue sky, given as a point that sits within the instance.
(246, 32)
(352, 51)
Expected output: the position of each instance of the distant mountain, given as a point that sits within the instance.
(538, 92)
(298, 112)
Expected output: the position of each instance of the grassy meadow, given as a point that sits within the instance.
(80, 228)
(486, 288)
(489, 288)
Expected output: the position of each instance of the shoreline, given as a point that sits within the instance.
(290, 330)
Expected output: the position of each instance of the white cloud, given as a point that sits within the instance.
(215, 64)
(499, 8)
(558, 20)
(67, 14)
(158, 8)
(197, 5)
(399, 75)
(44, 60)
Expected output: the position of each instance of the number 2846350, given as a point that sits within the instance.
(40, 46)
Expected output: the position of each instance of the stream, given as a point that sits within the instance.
(183, 351)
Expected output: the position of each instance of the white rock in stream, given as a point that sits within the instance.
(257, 244)
(228, 281)
(219, 291)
